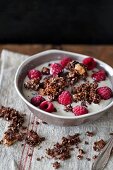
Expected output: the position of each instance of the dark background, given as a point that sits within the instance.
(43, 21)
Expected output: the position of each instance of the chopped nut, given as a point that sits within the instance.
(80, 68)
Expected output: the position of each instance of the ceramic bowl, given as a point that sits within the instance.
(50, 55)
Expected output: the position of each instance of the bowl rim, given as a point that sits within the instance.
(22, 65)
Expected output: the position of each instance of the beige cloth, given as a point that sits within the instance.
(15, 157)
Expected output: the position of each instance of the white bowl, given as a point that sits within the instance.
(50, 55)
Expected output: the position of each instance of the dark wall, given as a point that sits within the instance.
(43, 21)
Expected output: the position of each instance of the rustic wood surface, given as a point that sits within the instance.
(102, 52)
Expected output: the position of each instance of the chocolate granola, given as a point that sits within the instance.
(16, 120)
(53, 86)
(62, 150)
(98, 145)
(33, 138)
(32, 84)
(86, 92)
(56, 165)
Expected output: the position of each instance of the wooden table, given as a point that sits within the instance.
(102, 52)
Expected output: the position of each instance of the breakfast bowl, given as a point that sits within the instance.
(60, 117)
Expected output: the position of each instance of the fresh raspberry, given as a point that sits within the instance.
(90, 63)
(65, 98)
(65, 61)
(47, 106)
(105, 92)
(34, 74)
(37, 100)
(55, 69)
(99, 75)
(80, 110)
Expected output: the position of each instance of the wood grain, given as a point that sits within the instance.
(102, 52)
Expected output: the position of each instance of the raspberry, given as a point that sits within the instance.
(47, 106)
(34, 74)
(90, 63)
(65, 61)
(55, 69)
(105, 92)
(37, 100)
(65, 98)
(80, 110)
(99, 76)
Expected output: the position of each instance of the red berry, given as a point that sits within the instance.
(99, 76)
(37, 100)
(65, 61)
(80, 110)
(47, 106)
(90, 63)
(55, 69)
(34, 74)
(105, 92)
(65, 98)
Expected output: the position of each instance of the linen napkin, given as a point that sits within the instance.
(21, 156)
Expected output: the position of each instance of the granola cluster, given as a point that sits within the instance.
(33, 138)
(98, 145)
(32, 84)
(16, 131)
(62, 150)
(86, 92)
(53, 86)
(16, 121)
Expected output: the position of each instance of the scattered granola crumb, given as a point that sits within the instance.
(1, 142)
(45, 71)
(98, 145)
(38, 159)
(90, 134)
(45, 123)
(56, 165)
(80, 157)
(62, 150)
(95, 157)
(86, 143)
(88, 159)
(37, 123)
(81, 152)
(68, 108)
(29, 154)
(33, 138)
